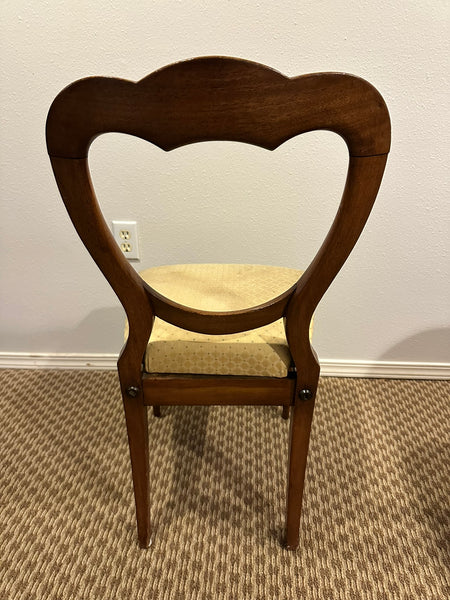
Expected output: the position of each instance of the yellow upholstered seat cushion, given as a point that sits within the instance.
(217, 287)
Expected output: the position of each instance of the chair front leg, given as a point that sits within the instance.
(300, 429)
(137, 428)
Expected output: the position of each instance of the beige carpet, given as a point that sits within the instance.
(376, 508)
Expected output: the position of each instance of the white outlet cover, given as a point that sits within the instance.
(125, 234)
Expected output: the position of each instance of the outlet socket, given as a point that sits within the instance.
(125, 234)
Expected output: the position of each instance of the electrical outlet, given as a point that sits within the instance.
(125, 234)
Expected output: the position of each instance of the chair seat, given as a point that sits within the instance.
(216, 287)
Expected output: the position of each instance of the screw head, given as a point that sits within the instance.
(305, 394)
(133, 391)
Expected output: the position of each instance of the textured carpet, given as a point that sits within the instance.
(376, 506)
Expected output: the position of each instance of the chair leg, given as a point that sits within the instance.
(285, 413)
(156, 411)
(300, 428)
(136, 419)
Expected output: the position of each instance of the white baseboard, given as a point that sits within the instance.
(384, 369)
(329, 368)
(22, 360)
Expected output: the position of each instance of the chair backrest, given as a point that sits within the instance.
(218, 98)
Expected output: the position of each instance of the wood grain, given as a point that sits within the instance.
(218, 95)
(197, 390)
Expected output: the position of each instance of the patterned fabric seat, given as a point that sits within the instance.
(217, 287)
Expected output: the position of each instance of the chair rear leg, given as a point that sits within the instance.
(137, 428)
(285, 413)
(300, 428)
(156, 411)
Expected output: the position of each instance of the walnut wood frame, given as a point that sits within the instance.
(218, 98)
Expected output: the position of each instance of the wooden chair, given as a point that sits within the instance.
(217, 98)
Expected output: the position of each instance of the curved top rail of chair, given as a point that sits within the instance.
(222, 90)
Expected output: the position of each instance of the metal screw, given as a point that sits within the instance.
(305, 394)
(133, 391)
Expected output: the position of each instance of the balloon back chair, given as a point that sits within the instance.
(203, 99)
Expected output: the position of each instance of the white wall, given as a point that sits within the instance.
(390, 302)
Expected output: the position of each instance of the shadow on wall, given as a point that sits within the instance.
(107, 323)
(432, 345)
